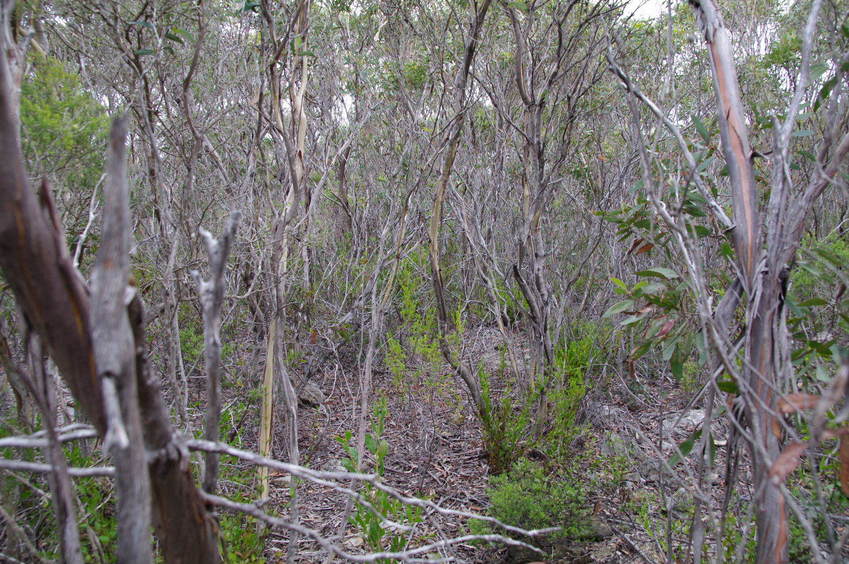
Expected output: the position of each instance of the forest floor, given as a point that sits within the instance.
(436, 451)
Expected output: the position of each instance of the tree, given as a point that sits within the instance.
(765, 233)
(56, 304)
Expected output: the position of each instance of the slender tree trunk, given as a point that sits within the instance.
(212, 297)
(452, 141)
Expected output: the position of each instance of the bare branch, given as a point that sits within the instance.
(39, 468)
(211, 298)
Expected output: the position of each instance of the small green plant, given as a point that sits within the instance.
(374, 524)
(418, 352)
(505, 425)
(530, 497)
(567, 389)
(244, 543)
(96, 510)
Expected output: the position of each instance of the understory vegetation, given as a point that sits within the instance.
(466, 281)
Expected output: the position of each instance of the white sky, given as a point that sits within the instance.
(645, 9)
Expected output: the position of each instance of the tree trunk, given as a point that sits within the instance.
(53, 298)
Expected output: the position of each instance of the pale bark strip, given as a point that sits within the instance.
(765, 291)
(735, 138)
(211, 298)
(266, 413)
(452, 141)
(114, 354)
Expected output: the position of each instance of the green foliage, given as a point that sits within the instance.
(530, 497)
(786, 52)
(416, 74)
(63, 126)
(97, 510)
(819, 312)
(243, 543)
(373, 526)
(191, 344)
(571, 362)
(505, 424)
(556, 397)
(419, 355)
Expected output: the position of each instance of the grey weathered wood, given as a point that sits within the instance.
(114, 350)
(59, 479)
(53, 298)
(211, 297)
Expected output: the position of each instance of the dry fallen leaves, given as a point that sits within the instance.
(797, 401)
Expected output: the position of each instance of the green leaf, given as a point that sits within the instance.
(728, 386)
(619, 307)
(700, 127)
(621, 288)
(173, 37)
(701, 231)
(668, 350)
(659, 272)
(631, 319)
(817, 70)
(825, 92)
(813, 302)
(685, 447)
(803, 133)
(371, 443)
(676, 364)
(638, 352)
(650, 289)
(143, 52)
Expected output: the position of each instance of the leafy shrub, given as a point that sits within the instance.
(551, 406)
(529, 497)
(505, 424)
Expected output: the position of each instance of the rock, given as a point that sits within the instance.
(602, 416)
(685, 422)
(680, 504)
(334, 465)
(604, 552)
(614, 445)
(633, 477)
(310, 395)
(354, 542)
(653, 470)
(284, 480)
